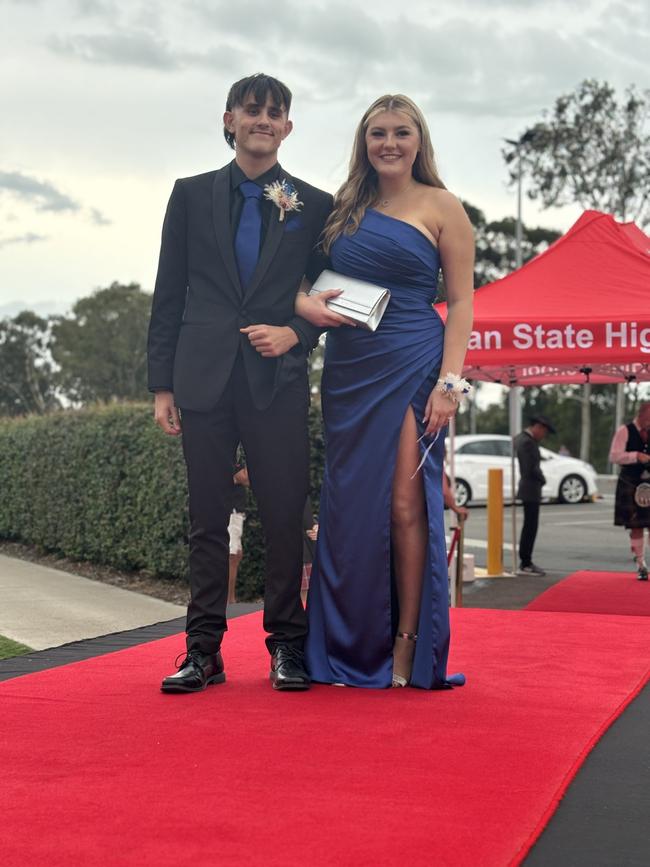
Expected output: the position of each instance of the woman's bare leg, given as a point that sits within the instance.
(409, 535)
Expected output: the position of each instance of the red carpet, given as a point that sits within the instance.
(99, 768)
(597, 593)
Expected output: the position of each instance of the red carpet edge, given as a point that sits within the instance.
(571, 773)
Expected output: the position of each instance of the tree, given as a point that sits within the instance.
(591, 150)
(101, 346)
(26, 375)
(496, 246)
(564, 405)
(492, 419)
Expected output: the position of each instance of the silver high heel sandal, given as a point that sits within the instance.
(398, 680)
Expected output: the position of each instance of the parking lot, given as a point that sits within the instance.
(570, 538)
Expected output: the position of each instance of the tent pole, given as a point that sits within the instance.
(518, 227)
(455, 521)
(452, 447)
(620, 404)
(618, 419)
(514, 419)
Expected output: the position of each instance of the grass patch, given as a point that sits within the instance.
(9, 648)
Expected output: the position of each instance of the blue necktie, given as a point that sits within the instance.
(249, 232)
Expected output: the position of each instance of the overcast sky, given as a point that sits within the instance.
(106, 102)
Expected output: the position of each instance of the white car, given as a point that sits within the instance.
(568, 480)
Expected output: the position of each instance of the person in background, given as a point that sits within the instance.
(531, 482)
(630, 449)
(310, 534)
(236, 528)
(450, 501)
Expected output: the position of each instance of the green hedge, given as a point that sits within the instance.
(105, 485)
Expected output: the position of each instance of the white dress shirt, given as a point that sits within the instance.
(617, 453)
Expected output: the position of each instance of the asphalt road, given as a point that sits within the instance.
(570, 538)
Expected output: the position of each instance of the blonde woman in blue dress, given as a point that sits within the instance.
(378, 600)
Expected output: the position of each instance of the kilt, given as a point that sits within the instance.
(626, 512)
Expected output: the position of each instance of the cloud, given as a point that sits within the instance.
(496, 64)
(511, 61)
(142, 49)
(27, 238)
(337, 29)
(107, 8)
(136, 48)
(518, 4)
(458, 62)
(43, 194)
(45, 197)
(98, 218)
(623, 33)
(498, 73)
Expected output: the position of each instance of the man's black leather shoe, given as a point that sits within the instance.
(197, 671)
(288, 668)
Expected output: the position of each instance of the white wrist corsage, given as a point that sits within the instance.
(454, 387)
(284, 196)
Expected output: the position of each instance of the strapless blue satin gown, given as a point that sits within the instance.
(369, 382)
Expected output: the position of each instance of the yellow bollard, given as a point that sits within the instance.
(495, 522)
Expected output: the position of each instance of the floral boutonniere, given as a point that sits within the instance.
(284, 196)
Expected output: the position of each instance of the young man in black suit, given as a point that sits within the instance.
(226, 349)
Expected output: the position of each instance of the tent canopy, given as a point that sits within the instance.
(580, 311)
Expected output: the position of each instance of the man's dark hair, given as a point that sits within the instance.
(257, 87)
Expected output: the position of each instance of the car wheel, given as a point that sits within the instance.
(462, 492)
(573, 489)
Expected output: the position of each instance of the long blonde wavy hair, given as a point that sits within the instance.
(360, 189)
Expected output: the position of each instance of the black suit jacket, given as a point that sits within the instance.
(199, 305)
(531, 477)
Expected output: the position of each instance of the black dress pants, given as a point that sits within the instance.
(275, 441)
(528, 533)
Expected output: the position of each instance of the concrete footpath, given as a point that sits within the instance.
(43, 607)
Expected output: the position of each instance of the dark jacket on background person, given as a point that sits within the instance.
(531, 477)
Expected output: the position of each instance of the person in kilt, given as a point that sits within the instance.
(630, 449)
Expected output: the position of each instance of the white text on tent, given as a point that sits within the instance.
(625, 335)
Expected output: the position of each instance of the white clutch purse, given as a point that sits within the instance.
(363, 302)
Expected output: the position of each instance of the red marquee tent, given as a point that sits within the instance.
(578, 311)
